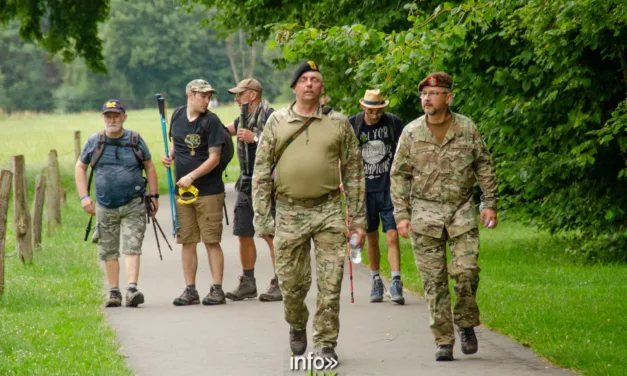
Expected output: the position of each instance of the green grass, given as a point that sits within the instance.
(571, 314)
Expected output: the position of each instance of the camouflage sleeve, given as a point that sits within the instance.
(486, 174)
(353, 178)
(401, 178)
(262, 180)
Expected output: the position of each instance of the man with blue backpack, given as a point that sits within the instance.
(201, 150)
(117, 157)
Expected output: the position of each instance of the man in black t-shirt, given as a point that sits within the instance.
(249, 91)
(378, 133)
(197, 140)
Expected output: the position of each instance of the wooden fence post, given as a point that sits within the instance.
(53, 190)
(21, 214)
(77, 145)
(38, 208)
(5, 190)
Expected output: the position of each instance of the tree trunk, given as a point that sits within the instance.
(253, 61)
(231, 55)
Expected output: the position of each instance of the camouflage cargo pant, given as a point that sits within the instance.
(430, 257)
(128, 220)
(295, 227)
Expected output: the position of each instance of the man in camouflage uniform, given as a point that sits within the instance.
(439, 157)
(305, 180)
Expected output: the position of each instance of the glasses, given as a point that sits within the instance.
(373, 112)
(239, 95)
(429, 94)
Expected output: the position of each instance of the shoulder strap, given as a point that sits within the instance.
(175, 115)
(139, 154)
(102, 142)
(359, 123)
(293, 137)
(391, 126)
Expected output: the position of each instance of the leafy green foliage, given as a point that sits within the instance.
(543, 80)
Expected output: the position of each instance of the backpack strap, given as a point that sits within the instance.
(359, 123)
(95, 157)
(139, 154)
(291, 139)
(175, 115)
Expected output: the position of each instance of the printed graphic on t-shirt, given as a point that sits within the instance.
(376, 152)
(192, 140)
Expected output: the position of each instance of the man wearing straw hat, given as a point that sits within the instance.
(378, 132)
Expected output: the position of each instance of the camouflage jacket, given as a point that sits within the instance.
(432, 183)
(292, 176)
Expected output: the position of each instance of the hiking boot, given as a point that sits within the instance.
(188, 297)
(298, 341)
(444, 353)
(115, 299)
(214, 297)
(273, 294)
(247, 289)
(327, 352)
(396, 291)
(469, 340)
(376, 291)
(134, 298)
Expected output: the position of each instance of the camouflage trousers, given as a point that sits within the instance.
(430, 257)
(128, 220)
(295, 228)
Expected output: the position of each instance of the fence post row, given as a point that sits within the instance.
(38, 208)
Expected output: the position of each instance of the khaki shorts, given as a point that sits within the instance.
(202, 219)
(129, 221)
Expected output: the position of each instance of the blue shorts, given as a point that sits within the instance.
(379, 204)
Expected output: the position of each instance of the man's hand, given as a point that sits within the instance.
(361, 235)
(488, 218)
(185, 182)
(88, 206)
(155, 206)
(167, 161)
(404, 228)
(246, 136)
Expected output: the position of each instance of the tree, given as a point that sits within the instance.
(66, 28)
(545, 81)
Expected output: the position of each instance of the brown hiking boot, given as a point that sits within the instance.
(273, 294)
(134, 298)
(444, 353)
(188, 297)
(115, 299)
(246, 289)
(214, 297)
(298, 341)
(469, 340)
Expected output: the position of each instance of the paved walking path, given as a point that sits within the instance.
(251, 337)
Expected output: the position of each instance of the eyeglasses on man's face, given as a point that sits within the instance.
(428, 94)
(373, 112)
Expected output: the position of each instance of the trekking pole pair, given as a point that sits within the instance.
(149, 209)
(175, 218)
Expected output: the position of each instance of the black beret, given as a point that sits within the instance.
(309, 66)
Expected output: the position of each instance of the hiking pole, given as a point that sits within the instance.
(242, 123)
(175, 218)
(348, 244)
(155, 224)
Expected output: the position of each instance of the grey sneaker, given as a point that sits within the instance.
(396, 291)
(247, 289)
(469, 340)
(444, 353)
(188, 297)
(115, 299)
(214, 297)
(134, 298)
(298, 341)
(376, 291)
(273, 294)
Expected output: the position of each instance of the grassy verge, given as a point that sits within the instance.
(51, 317)
(570, 314)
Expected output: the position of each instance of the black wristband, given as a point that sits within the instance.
(156, 195)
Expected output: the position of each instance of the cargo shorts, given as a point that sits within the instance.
(129, 221)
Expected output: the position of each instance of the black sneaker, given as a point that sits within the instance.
(134, 298)
(328, 352)
(115, 299)
(444, 353)
(298, 341)
(188, 297)
(469, 340)
(214, 297)
(246, 289)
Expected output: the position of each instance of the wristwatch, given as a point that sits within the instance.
(156, 195)
(256, 139)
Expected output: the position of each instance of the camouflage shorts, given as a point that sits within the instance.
(129, 221)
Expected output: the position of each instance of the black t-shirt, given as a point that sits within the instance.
(377, 150)
(191, 142)
(252, 148)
